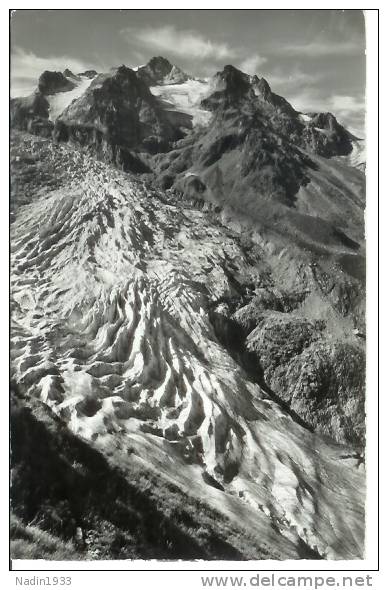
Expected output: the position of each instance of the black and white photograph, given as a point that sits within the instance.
(188, 292)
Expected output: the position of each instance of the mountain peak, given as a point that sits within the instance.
(159, 71)
(232, 82)
(160, 62)
(232, 74)
(230, 93)
(88, 74)
(53, 82)
(124, 71)
(263, 87)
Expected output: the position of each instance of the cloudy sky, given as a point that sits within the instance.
(315, 58)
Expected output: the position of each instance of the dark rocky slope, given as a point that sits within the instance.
(255, 144)
(258, 162)
(118, 119)
(54, 82)
(31, 113)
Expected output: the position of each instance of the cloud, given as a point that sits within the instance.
(312, 99)
(349, 110)
(309, 99)
(251, 64)
(322, 48)
(347, 104)
(189, 44)
(26, 68)
(296, 78)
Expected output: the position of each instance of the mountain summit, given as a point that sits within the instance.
(250, 99)
(160, 71)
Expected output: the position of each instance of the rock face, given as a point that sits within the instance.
(327, 136)
(88, 74)
(233, 86)
(53, 82)
(160, 71)
(118, 119)
(69, 74)
(321, 379)
(311, 361)
(263, 90)
(239, 148)
(256, 155)
(321, 133)
(31, 114)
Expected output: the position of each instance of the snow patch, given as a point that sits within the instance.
(60, 101)
(357, 157)
(186, 98)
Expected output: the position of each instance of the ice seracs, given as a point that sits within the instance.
(110, 330)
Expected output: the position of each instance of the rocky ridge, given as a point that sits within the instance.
(160, 71)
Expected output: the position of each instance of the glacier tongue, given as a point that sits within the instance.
(60, 101)
(111, 290)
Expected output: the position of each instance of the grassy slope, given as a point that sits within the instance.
(60, 483)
